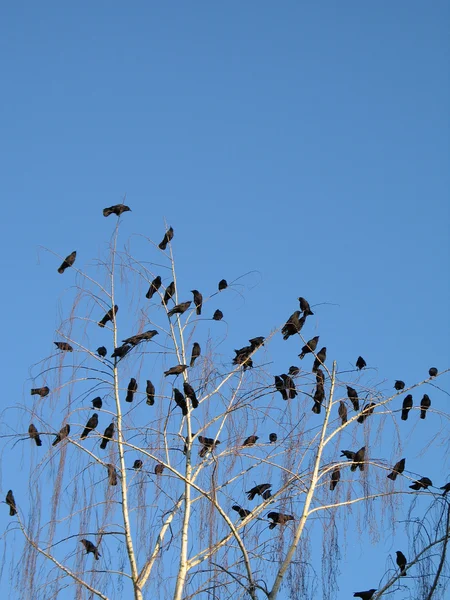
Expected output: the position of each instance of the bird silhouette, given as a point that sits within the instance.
(67, 262)
(117, 210)
(154, 287)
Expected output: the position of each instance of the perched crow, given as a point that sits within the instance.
(422, 483)
(150, 391)
(64, 346)
(63, 433)
(117, 210)
(180, 401)
(342, 412)
(365, 595)
(399, 467)
(175, 370)
(425, 404)
(132, 388)
(67, 262)
(121, 351)
(109, 432)
(358, 461)
(407, 406)
(198, 301)
(252, 439)
(146, 336)
(319, 397)
(401, 562)
(42, 392)
(293, 325)
(304, 307)
(432, 372)
(11, 503)
(348, 454)
(222, 284)
(320, 359)
(279, 519)
(89, 546)
(159, 468)
(112, 474)
(90, 426)
(289, 386)
(360, 363)
(335, 477)
(109, 316)
(137, 464)
(102, 351)
(366, 411)
(352, 395)
(170, 291)
(256, 342)
(243, 512)
(293, 371)
(179, 309)
(399, 385)
(97, 402)
(190, 393)
(446, 488)
(320, 377)
(279, 386)
(166, 239)
(154, 287)
(243, 357)
(186, 443)
(273, 438)
(309, 347)
(34, 435)
(218, 315)
(258, 490)
(208, 445)
(196, 351)
(266, 495)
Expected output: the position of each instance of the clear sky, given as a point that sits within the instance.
(308, 142)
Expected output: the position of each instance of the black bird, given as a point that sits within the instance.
(117, 210)
(218, 315)
(146, 336)
(67, 262)
(168, 236)
(293, 325)
(320, 377)
(266, 495)
(425, 404)
(11, 503)
(335, 477)
(289, 386)
(348, 454)
(189, 392)
(279, 386)
(180, 401)
(154, 287)
(170, 291)
(121, 351)
(150, 391)
(342, 412)
(112, 474)
(422, 483)
(64, 346)
(175, 370)
(97, 402)
(258, 490)
(367, 595)
(432, 372)
(401, 562)
(222, 284)
(243, 357)
(309, 347)
(198, 301)
(252, 439)
(102, 351)
(304, 307)
(208, 445)
(137, 464)
(63, 433)
(256, 342)
(273, 438)
(360, 363)
(132, 388)
(109, 316)
(320, 359)
(407, 406)
(446, 488)
(243, 512)
(352, 395)
(399, 385)
(366, 411)
(358, 461)
(89, 546)
(159, 468)
(109, 432)
(179, 309)
(196, 351)
(399, 467)
(319, 397)
(293, 371)
(90, 426)
(42, 391)
(279, 519)
(186, 443)
(34, 435)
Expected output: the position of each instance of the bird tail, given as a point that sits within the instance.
(301, 356)
(272, 526)
(103, 444)
(162, 245)
(12, 511)
(191, 364)
(423, 414)
(250, 496)
(107, 212)
(403, 573)
(101, 323)
(316, 408)
(61, 270)
(84, 434)
(96, 554)
(38, 441)
(199, 310)
(332, 485)
(404, 415)
(58, 439)
(392, 476)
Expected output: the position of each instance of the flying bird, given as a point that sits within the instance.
(222, 284)
(180, 401)
(112, 474)
(168, 236)
(425, 404)
(64, 346)
(67, 262)
(146, 336)
(399, 467)
(121, 351)
(42, 391)
(117, 210)
(89, 546)
(432, 372)
(208, 445)
(367, 595)
(293, 325)
(309, 347)
(422, 483)
(218, 315)
(352, 395)
(190, 393)
(252, 439)
(335, 477)
(196, 351)
(320, 359)
(399, 385)
(107, 436)
(279, 519)
(407, 406)
(154, 287)
(273, 438)
(132, 388)
(34, 435)
(159, 468)
(179, 309)
(63, 433)
(360, 363)
(198, 301)
(150, 391)
(243, 512)
(175, 370)
(90, 426)
(401, 562)
(304, 307)
(342, 412)
(358, 461)
(170, 291)
(137, 464)
(109, 316)
(10, 501)
(102, 351)
(97, 402)
(258, 490)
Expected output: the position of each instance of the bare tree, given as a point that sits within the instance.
(167, 468)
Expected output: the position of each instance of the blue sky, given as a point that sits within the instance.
(307, 142)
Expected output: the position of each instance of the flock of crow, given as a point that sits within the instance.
(284, 384)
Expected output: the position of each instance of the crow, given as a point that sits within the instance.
(273, 438)
(360, 363)
(366, 411)
(63, 433)
(159, 468)
(121, 351)
(432, 372)
(293, 325)
(320, 359)
(399, 467)
(256, 342)
(358, 461)
(117, 210)
(218, 315)
(198, 301)
(446, 488)
(399, 385)
(150, 391)
(186, 443)
(170, 291)
(137, 464)
(42, 392)
(154, 287)
(112, 474)
(109, 432)
(401, 562)
(90, 426)
(132, 388)
(189, 392)
(425, 404)
(168, 236)
(89, 546)
(422, 483)
(252, 439)
(293, 371)
(64, 346)
(279, 386)
(243, 357)
(309, 347)
(243, 512)
(407, 406)
(179, 309)
(180, 401)
(304, 307)
(367, 595)
(289, 386)
(10, 501)
(258, 490)
(352, 395)
(342, 412)
(222, 284)
(335, 477)
(208, 445)
(175, 370)
(109, 316)
(320, 377)
(97, 402)
(348, 454)
(196, 351)
(34, 435)
(319, 397)
(279, 519)
(102, 351)
(67, 262)
(146, 336)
